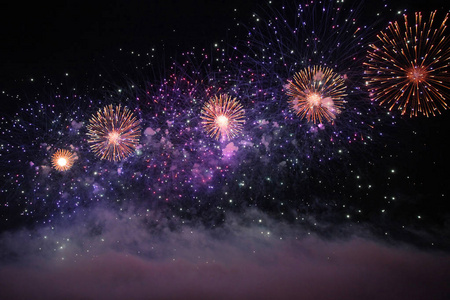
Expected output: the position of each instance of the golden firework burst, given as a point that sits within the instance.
(408, 68)
(114, 133)
(62, 160)
(316, 93)
(223, 117)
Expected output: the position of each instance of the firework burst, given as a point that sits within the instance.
(62, 160)
(292, 37)
(113, 133)
(223, 117)
(316, 94)
(408, 68)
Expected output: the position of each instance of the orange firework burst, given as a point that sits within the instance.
(223, 117)
(316, 93)
(113, 133)
(409, 67)
(62, 160)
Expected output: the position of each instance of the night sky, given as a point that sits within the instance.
(354, 207)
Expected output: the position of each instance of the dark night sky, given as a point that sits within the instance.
(57, 37)
(71, 36)
(64, 35)
(76, 37)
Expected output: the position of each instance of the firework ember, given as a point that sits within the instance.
(408, 68)
(62, 160)
(316, 93)
(223, 117)
(114, 133)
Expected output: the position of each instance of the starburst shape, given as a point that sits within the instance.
(316, 94)
(62, 160)
(408, 68)
(223, 117)
(114, 133)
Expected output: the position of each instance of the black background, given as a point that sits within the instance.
(57, 37)
(39, 39)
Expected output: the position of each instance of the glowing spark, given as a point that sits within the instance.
(113, 133)
(114, 138)
(223, 117)
(316, 94)
(408, 68)
(222, 121)
(62, 160)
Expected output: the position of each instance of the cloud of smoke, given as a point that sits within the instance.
(111, 255)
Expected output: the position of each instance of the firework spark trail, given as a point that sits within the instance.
(408, 68)
(287, 38)
(315, 33)
(114, 133)
(174, 161)
(276, 158)
(223, 117)
(62, 160)
(318, 33)
(316, 94)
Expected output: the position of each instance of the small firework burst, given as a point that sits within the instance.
(113, 133)
(62, 160)
(408, 68)
(223, 117)
(316, 93)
